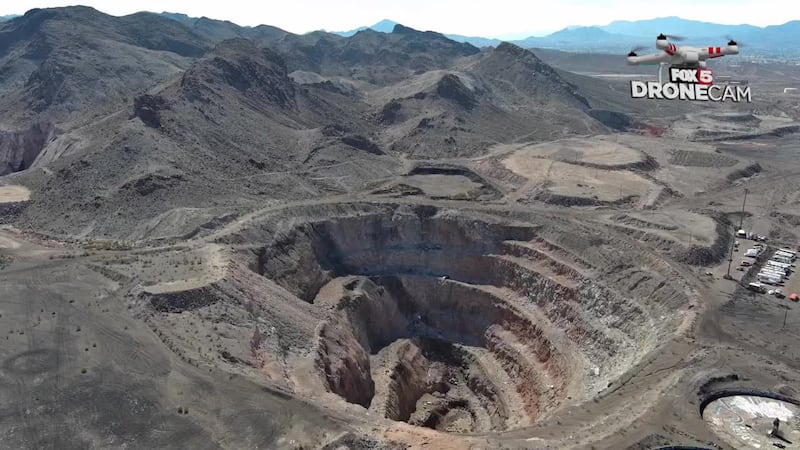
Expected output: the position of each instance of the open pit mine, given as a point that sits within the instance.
(223, 237)
(460, 322)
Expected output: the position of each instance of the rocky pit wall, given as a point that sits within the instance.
(481, 301)
(460, 322)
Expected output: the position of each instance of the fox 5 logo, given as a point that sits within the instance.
(693, 76)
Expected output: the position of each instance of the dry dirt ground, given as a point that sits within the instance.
(560, 295)
(13, 194)
(386, 241)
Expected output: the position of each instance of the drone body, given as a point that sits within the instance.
(683, 56)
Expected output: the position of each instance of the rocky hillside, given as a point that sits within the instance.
(121, 123)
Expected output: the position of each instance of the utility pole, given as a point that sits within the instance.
(733, 241)
(785, 313)
(741, 217)
(730, 258)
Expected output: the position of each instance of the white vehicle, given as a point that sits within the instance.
(775, 270)
(751, 253)
(770, 276)
(782, 265)
(741, 233)
(789, 251)
(785, 256)
(757, 287)
(769, 279)
(781, 260)
(786, 253)
(779, 263)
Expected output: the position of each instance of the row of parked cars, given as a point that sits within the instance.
(774, 271)
(750, 235)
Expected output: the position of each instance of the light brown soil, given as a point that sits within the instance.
(14, 193)
(571, 180)
(602, 150)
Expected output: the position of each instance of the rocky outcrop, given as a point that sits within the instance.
(19, 149)
(259, 74)
(362, 143)
(148, 108)
(150, 183)
(409, 381)
(452, 88)
(612, 119)
(9, 212)
(390, 113)
(344, 364)
(180, 301)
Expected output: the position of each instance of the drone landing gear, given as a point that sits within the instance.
(685, 66)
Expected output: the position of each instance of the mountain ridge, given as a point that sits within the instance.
(761, 39)
(159, 114)
(618, 36)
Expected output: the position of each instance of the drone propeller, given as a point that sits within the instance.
(732, 41)
(636, 49)
(671, 37)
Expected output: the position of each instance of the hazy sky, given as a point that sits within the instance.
(492, 18)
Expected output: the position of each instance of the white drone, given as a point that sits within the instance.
(683, 56)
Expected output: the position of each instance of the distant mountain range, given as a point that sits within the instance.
(617, 37)
(772, 41)
(386, 26)
(620, 36)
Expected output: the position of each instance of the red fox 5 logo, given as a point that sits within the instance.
(693, 76)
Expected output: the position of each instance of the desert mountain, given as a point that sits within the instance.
(678, 26)
(70, 66)
(219, 30)
(58, 62)
(620, 36)
(127, 123)
(373, 57)
(384, 26)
